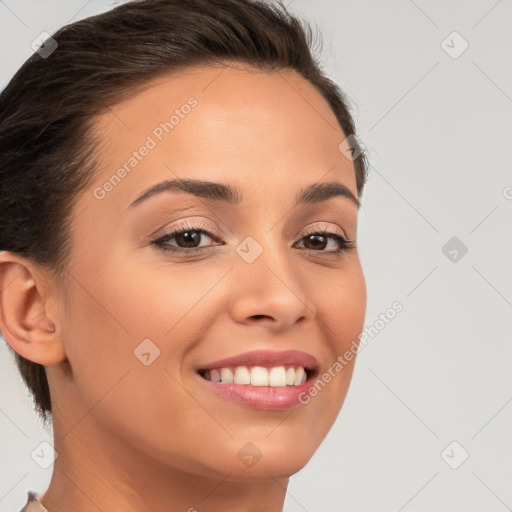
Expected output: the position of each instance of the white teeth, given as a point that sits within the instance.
(242, 375)
(226, 375)
(300, 376)
(259, 376)
(290, 376)
(214, 375)
(277, 376)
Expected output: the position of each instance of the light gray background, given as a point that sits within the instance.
(438, 130)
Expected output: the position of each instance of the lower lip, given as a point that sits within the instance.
(262, 397)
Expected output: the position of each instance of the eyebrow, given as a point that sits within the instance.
(312, 194)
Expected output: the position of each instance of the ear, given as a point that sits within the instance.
(26, 311)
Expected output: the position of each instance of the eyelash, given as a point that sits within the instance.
(161, 242)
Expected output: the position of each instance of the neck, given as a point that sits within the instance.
(96, 470)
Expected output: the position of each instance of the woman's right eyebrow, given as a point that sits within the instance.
(312, 194)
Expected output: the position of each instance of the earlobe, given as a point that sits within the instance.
(24, 310)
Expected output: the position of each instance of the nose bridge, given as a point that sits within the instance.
(268, 283)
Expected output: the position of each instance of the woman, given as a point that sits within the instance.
(180, 186)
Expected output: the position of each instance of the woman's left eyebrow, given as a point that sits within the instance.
(312, 194)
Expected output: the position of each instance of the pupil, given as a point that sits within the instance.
(190, 237)
(316, 239)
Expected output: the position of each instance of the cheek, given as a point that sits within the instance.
(116, 307)
(343, 312)
(112, 386)
(340, 299)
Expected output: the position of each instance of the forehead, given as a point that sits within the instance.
(234, 124)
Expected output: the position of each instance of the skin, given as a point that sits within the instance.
(133, 437)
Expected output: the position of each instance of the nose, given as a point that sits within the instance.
(270, 291)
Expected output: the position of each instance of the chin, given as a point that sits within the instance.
(271, 467)
(267, 458)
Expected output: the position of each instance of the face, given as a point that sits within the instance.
(252, 271)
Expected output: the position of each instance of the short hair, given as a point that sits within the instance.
(49, 154)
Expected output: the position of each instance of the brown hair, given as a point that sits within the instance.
(47, 109)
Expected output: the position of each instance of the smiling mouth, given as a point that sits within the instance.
(275, 376)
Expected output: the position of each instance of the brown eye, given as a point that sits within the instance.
(320, 240)
(315, 241)
(187, 239)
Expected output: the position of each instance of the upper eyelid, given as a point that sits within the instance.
(213, 233)
(323, 226)
(338, 218)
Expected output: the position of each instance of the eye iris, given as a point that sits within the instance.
(316, 238)
(189, 237)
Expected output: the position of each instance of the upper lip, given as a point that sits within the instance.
(265, 357)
